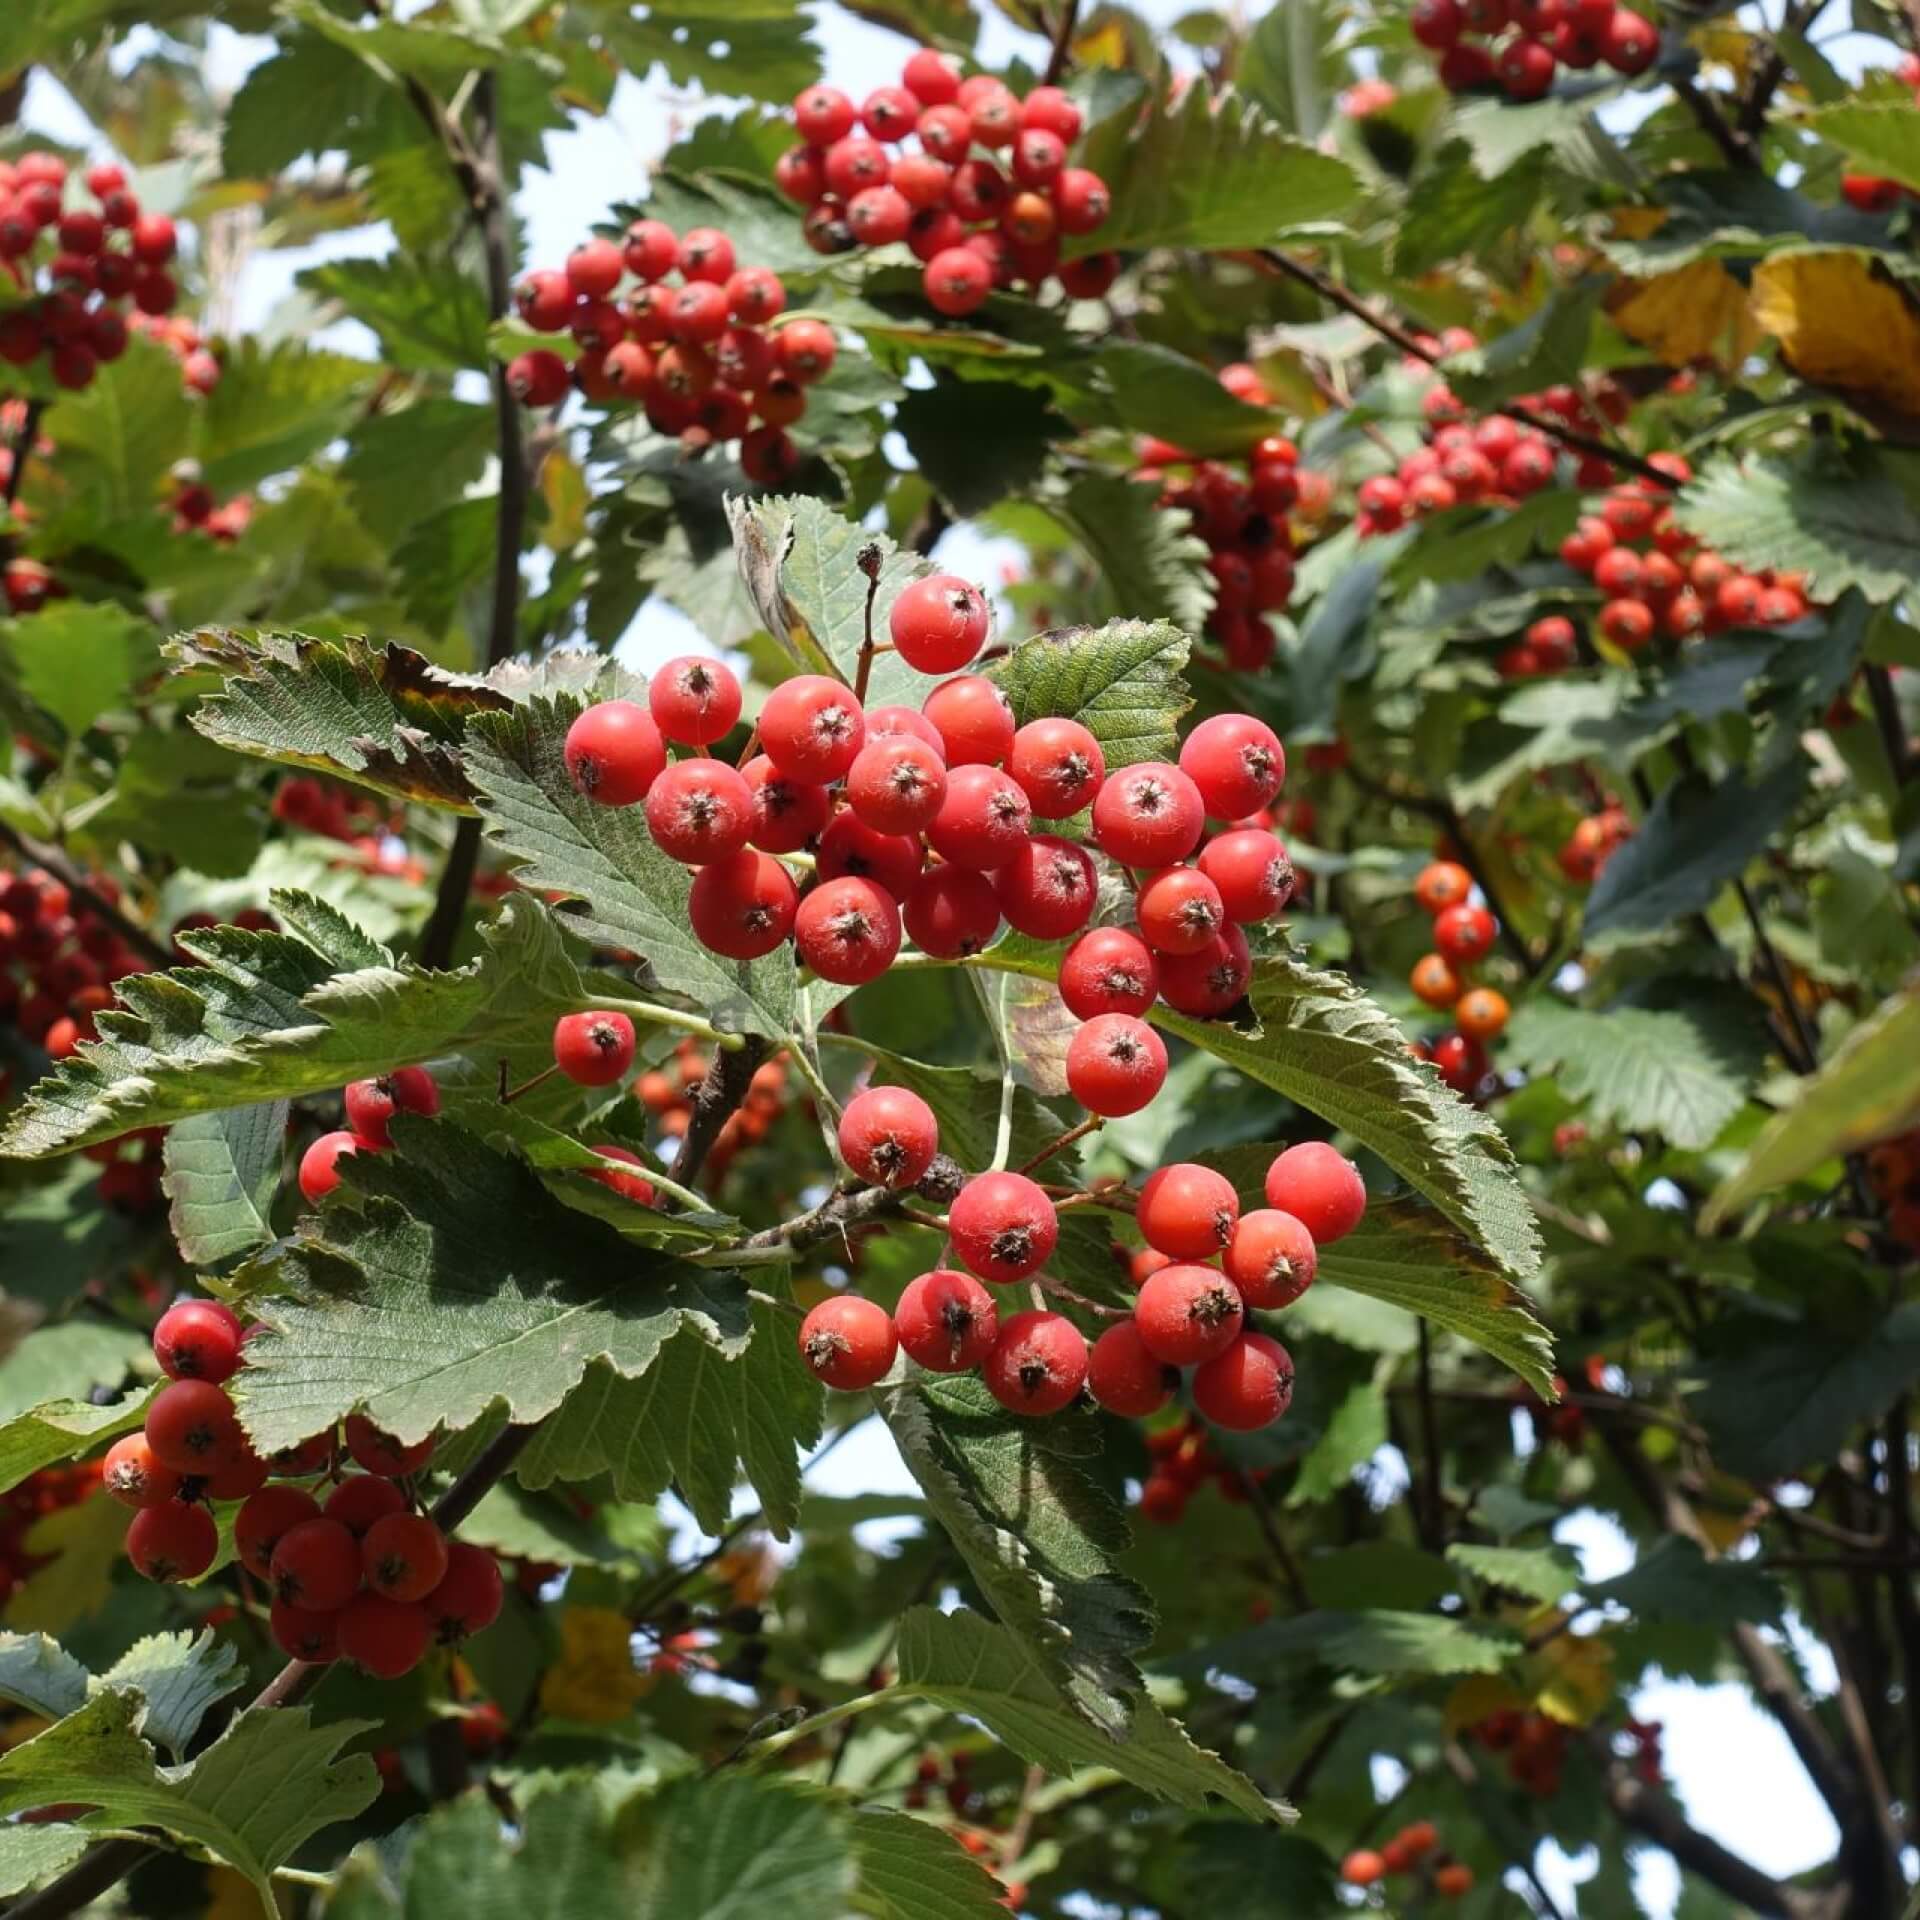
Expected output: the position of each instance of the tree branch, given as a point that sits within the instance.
(22, 449)
(721, 1090)
(1893, 728)
(1061, 54)
(1735, 146)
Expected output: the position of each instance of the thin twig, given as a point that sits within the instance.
(23, 444)
(1059, 1144)
(868, 560)
(1736, 147)
(1893, 729)
(1061, 54)
(1434, 1497)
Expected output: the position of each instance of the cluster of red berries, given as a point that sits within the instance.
(1184, 1456)
(365, 1577)
(1534, 1744)
(1244, 523)
(703, 357)
(972, 227)
(1463, 936)
(950, 1773)
(1546, 36)
(370, 1107)
(1413, 1850)
(29, 584)
(1593, 842)
(872, 793)
(327, 808)
(194, 506)
(200, 367)
(24, 1506)
(1658, 579)
(58, 960)
(667, 1094)
(1491, 461)
(65, 257)
(1188, 1312)
(1893, 1167)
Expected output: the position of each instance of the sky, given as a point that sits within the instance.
(1730, 1764)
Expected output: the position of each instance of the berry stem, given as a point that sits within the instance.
(869, 562)
(754, 1751)
(656, 1015)
(1091, 1124)
(508, 1095)
(1061, 1291)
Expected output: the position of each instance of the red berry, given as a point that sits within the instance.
(984, 819)
(379, 1452)
(236, 1473)
(1436, 24)
(1237, 763)
(468, 1598)
(1865, 192)
(805, 350)
(1083, 201)
(1115, 1064)
(1627, 623)
(1038, 156)
(1038, 1363)
(198, 1340)
(889, 1136)
(265, 1520)
(1442, 884)
(546, 301)
(614, 1177)
(823, 115)
(848, 1343)
(697, 316)
(403, 1556)
(694, 700)
(801, 174)
(1054, 110)
(768, 457)
(371, 1104)
(360, 1500)
(879, 215)
(1271, 1258)
(1526, 68)
(1632, 42)
(1163, 1499)
(176, 1542)
(652, 250)
(1180, 910)
(950, 911)
(595, 268)
(947, 1321)
(923, 182)
(614, 753)
(939, 623)
(1210, 982)
(699, 810)
(1049, 888)
(974, 720)
(134, 1477)
(1320, 1187)
(1188, 1211)
(593, 1049)
(1003, 1226)
(896, 784)
(706, 254)
(1059, 766)
(1108, 970)
(154, 240)
(1148, 815)
(1464, 934)
(316, 1564)
(1247, 1387)
(787, 814)
(812, 728)
(930, 78)
(742, 905)
(851, 848)
(1125, 1377)
(191, 1425)
(1188, 1314)
(386, 1638)
(1251, 872)
(847, 931)
(302, 1634)
(956, 281)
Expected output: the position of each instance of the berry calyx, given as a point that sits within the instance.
(888, 1135)
(946, 1321)
(134, 1477)
(1038, 1363)
(848, 1343)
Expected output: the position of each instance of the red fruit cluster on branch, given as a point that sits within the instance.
(80, 265)
(974, 226)
(194, 507)
(704, 356)
(667, 1093)
(1593, 842)
(1535, 1747)
(1545, 36)
(1184, 1458)
(1658, 579)
(1463, 935)
(1413, 1850)
(370, 1107)
(1893, 1168)
(1244, 523)
(24, 1506)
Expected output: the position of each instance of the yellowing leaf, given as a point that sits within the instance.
(1725, 46)
(1635, 223)
(564, 489)
(1841, 324)
(233, 1897)
(1696, 312)
(594, 1678)
(1105, 46)
(1573, 1675)
(1478, 1697)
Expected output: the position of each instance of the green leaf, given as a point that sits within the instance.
(754, 213)
(979, 441)
(79, 659)
(529, 1526)
(1149, 560)
(1881, 137)
(268, 1016)
(1674, 1580)
(1453, 213)
(39, 1674)
(972, 1666)
(965, 1102)
(66, 1362)
(1291, 67)
(1039, 1536)
(1464, 542)
(1794, 1399)
(733, 1845)
(1839, 518)
(1699, 836)
(80, 1549)
(1866, 1090)
(1550, 349)
(294, 104)
(275, 407)
(1682, 1070)
(1152, 389)
(911, 1870)
(1123, 682)
(179, 1676)
(270, 1782)
(1327, 1047)
(223, 1170)
(1371, 1640)
(1860, 918)
(120, 436)
(453, 1284)
(1355, 1432)
(632, 896)
(1211, 171)
(1545, 1574)
(1250, 1873)
(770, 59)
(1380, 1573)
(404, 465)
(29, 1855)
(428, 317)
(64, 1430)
(178, 794)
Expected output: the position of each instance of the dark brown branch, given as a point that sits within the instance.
(1433, 1495)
(1391, 330)
(1893, 728)
(1736, 147)
(1771, 71)
(23, 448)
(1061, 54)
(721, 1090)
